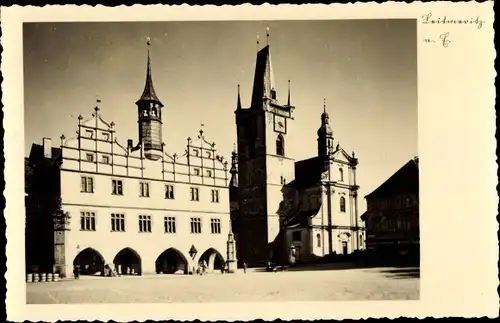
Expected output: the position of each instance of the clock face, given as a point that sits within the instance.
(279, 124)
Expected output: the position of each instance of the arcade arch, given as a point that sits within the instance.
(90, 262)
(171, 261)
(213, 259)
(128, 262)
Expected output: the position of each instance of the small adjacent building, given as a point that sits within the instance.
(392, 218)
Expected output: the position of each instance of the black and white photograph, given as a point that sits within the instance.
(225, 161)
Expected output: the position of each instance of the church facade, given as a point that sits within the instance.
(131, 206)
(280, 206)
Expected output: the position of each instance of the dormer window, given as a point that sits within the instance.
(209, 173)
(105, 136)
(196, 152)
(209, 154)
(105, 159)
(89, 133)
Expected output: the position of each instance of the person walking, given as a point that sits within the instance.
(244, 267)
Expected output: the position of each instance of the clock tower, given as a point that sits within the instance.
(264, 164)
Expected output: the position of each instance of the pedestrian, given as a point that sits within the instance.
(244, 267)
(76, 272)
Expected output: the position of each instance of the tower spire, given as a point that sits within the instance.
(289, 93)
(149, 93)
(238, 103)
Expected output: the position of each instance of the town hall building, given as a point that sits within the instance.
(124, 205)
(280, 206)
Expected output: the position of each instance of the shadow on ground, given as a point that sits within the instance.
(395, 271)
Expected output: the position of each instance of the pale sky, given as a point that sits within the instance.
(365, 69)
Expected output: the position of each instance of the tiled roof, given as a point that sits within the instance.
(405, 180)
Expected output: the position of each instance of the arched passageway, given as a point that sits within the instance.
(90, 262)
(128, 262)
(213, 260)
(171, 261)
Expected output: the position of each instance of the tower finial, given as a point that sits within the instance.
(324, 105)
(289, 92)
(267, 35)
(238, 103)
(258, 41)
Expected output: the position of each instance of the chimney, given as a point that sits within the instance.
(47, 147)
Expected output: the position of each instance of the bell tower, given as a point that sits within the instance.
(264, 164)
(325, 136)
(149, 109)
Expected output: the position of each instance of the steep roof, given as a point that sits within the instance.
(308, 172)
(36, 152)
(264, 79)
(405, 180)
(149, 93)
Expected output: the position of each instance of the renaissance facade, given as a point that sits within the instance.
(133, 207)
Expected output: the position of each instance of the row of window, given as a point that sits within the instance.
(88, 220)
(297, 237)
(87, 186)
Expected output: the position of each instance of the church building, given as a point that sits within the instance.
(280, 206)
(128, 206)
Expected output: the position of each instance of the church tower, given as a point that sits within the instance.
(325, 136)
(149, 109)
(264, 164)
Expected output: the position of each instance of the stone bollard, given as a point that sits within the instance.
(56, 277)
(43, 277)
(29, 278)
(50, 277)
(36, 278)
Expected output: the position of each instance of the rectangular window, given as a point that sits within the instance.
(105, 136)
(169, 192)
(196, 171)
(196, 152)
(89, 133)
(215, 225)
(87, 184)
(105, 159)
(90, 157)
(195, 194)
(117, 222)
(209, 173)
(215, 196)
(297, 236)
(144, 223)
(87, 221)
(195, 225)
(169, 224)
(144, 189)
(117, 187)
(209, 154)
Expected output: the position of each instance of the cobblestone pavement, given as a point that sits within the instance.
(316, 284)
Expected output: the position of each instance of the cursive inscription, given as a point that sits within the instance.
(443, 40)
(444, 20)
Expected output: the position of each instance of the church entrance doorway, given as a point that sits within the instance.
(344, 247)
(171, 261)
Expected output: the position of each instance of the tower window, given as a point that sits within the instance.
(280, 146)
(318, 240)
(342, 204)
(341, 171)
(153, 112)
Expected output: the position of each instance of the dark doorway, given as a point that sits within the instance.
(90, 262)
(213, 259)
(171, 261)
(344, 247)
(128, 262)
